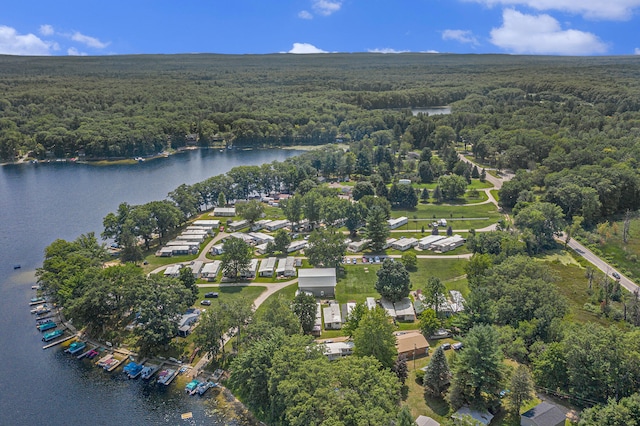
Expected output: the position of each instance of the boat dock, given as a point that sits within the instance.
(38, 302)
(89, 349)
(57, 342)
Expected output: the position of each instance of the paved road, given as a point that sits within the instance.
(599, 263)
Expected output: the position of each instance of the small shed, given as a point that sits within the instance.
(319, 281)
(544, 414)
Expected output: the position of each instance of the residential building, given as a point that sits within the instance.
(358, 246)
(370, 303)
(210, 270)
(427, 242)
(346, 309)
(332, 317)
(224, 211)
(544, 414)
(337, 350)
(426, 421)
(286, 267)
(237, 225)
(297, 245)
(411, 343)
(481, 417)
(267, 267)
(404, 310)
(274, 225)
(395, 223)
(404, 244)
(388, 306)
(448, 244)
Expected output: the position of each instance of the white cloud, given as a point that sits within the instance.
(326, 7)
(430, 51)
(12, 43)
(463, 36)
(88, 40)
(387, 50)
(72, 51)
(46, 30)
(303, 14)
(302, 48)
(542, 34)
(618, 10)
(636, 51)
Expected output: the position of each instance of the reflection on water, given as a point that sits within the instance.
(437, 110)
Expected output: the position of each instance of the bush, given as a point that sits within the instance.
(420, 376)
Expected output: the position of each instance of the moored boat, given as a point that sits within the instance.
(190, 388)
(42, 309)
(166, 376)
(203, 387)
(43, 322)
(92, 354)
(148, 371)
(36, 300)
(132, 370)
(52, 335)
(47, 326)
(76, 347)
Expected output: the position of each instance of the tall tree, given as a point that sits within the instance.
(304, 306)
(377, 228)
(252, 210)
(478, 370)
(326, 248)
(404, 417)
(434, 293)
(394, 282)
(521, 389)
(236, 257)
(282, 240)
(429, 323)
(187, 279)
(374, 337)
(437, 374)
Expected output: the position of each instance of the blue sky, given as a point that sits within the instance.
(556, 27)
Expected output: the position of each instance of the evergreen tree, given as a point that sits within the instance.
(474, 172)
(377, 228)
(437, 375)
(400, 368)
(521, 389)
(483, 175)
(404, 417)
(437, 194)
(424, 195)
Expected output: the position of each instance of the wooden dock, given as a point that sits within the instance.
(115, 365)
(39, 302)
(57, 342)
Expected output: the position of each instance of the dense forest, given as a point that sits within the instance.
(515, 110)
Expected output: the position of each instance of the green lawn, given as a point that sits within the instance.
(359, 280)
(496, 194)
(229, 293)
(487, 212)
(624, 255)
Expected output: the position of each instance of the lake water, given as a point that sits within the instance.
(436, 110)
(40, 203)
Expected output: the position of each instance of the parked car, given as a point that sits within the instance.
(615, 275)
(354, 260)
(364, 259)
(206, 302)
(457, 346)
(446, 346)
(377, 259)
(211, 294)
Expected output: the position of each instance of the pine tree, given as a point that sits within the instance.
(474, 173)
(377, 229)
(404, 417)
(437, 375)
(483, 175)
(424, 195)
(437, 194)
(400, 368)
(521, 389)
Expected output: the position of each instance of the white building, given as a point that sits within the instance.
(448, 244)
(319, 281)
(286, 267)
(389, 243)
(267, 267)
(210, 270)
(405, 243)
(250, 272)
(274, 225)
(165, 252)
(238, 225)
(297, 245)
(397, 222)
(404, 310)
(210, 224)
(332, 317)
(172, 271)
(388, 306)
(358, 246)
(346, 310)
(196, 268)
(336, 350)
(404, 181)
(317, 325)
(189, 237)
(260, 238)
(370, 303)
(242, 236)
(259, 224)
(217, 249)
(224, 211)
(426, 242)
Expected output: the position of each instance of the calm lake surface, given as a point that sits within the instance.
(436, 110)
(40, 203)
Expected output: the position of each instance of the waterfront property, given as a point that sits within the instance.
(321, 282)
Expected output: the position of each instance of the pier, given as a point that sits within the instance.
(57, 342)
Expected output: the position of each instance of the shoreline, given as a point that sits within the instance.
(164, 154)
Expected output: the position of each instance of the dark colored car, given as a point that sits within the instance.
(211, 294)
(615, 275)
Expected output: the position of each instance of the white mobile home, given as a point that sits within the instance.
(165, 252)
(238, 225)
(209, 224)
(346, 310)
(297, 245)
(370, 303)
(405, 244)
(250, 272)
(286, 267)
(172, 271)
(319, 281)
(388, 306)
(317, 325)
(196, 268)
(389, 243)
(181, 250)
(260, 238)
(426, 242)
(336, 350)
(224, 211)
(198, 238)
(210, 270)
(404, 181)
(404, 310)
(274, 225)
(448, 244)
(397, 222)
(259, 224)
(332, 317)
(267, 267)
(217, 249)
(242, 236)
(358, 246)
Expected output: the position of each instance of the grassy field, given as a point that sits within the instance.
(496, 194)
(487, 213)
(359, 280)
